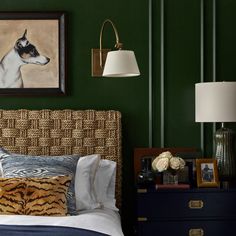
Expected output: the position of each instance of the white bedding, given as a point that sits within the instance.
(100, 220)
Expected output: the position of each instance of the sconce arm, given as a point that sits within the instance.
(118, 45)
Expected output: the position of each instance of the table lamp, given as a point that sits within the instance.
(216, 102)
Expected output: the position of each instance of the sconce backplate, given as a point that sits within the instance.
(96, 68)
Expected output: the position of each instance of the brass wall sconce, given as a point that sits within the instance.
(118, 63)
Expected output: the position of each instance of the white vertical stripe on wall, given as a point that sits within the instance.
(213, 59)
(214, 40)
(202, 67)
(150, 122)
(162, 76)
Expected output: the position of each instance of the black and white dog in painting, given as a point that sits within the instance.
(21, 54)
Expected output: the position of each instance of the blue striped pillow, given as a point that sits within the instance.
(16, 165)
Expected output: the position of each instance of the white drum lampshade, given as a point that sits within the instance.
(121, 63)
(215, 102)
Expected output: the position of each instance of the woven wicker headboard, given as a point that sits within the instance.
(60, 132)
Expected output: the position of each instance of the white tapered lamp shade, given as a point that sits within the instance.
(216, 102)
(121, 63)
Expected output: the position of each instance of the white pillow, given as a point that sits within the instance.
(1, 170)
(104, 184)
(84, 179)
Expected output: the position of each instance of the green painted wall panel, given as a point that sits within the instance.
(226, 38)
(182, 71)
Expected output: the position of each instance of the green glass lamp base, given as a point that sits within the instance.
(225, 153)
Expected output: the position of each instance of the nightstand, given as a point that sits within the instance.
(180, 212)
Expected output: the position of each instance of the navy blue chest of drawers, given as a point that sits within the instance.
(190, 212)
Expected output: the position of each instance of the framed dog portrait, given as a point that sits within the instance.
(33, 53)
(207, 173)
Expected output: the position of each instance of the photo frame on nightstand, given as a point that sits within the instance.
(207, 173)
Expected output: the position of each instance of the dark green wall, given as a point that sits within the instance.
(128, 95)
(182, 68)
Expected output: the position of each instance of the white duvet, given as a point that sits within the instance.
(101, 220)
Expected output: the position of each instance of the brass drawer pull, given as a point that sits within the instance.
(141, 190)
(142, 219)
(196, 232)
(195, 204)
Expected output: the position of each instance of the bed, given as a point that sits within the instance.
(51, 136)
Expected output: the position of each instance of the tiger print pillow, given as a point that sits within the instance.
(47, 196)
(34, 196)
(12, 193)
(24, 166)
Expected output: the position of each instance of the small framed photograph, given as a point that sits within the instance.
(207, 173)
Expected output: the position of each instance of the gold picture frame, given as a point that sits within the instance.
(207, 173)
